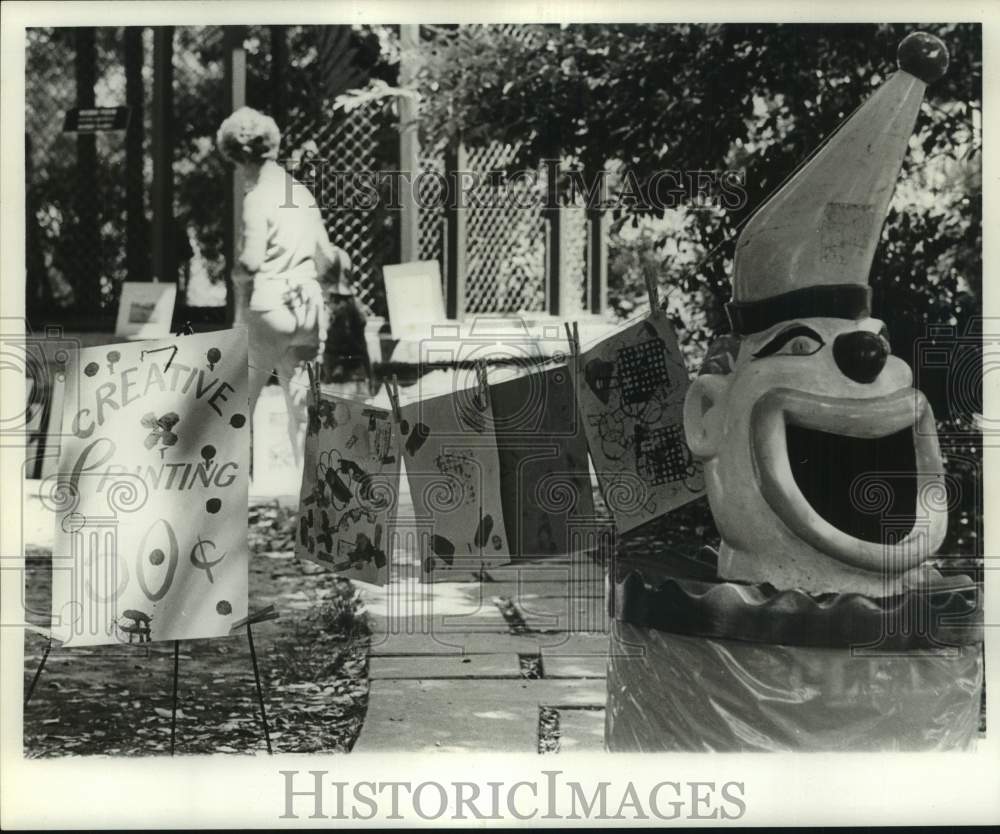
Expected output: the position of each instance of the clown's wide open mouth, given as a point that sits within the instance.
(866, 487)
(850, 477)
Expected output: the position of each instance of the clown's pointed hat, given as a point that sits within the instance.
(808, 250)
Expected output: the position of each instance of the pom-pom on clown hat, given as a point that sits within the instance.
(808, 250)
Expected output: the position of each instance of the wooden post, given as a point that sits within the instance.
(409, 148)
(162, 238)
(597, 260)
(87, 267)
(136, 238)
(553, 238)
(279, 73)
(236, 93)
(456, 226)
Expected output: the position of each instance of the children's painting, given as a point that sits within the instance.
(630, 390)
(151, 493)
(145, 309)
(544, 473)
(350, 488)
(450, 454)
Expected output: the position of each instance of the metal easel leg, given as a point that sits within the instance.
(173, 708)
(260, 692)
(38, 672)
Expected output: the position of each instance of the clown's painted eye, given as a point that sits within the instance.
(802, 346)
(796, 341)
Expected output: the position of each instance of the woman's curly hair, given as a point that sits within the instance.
(248, 136)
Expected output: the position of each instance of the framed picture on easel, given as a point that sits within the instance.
(145, 310)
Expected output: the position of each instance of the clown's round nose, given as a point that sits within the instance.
(860, 355)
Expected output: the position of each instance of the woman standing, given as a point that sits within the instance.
(285, 246)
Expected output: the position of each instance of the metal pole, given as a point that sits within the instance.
(173, 709)
(456, 228)
(236, 95)
(162, 242)
(87, 265)
(553, 240)
(136, 236)
(38, 672)
(279, 75)
(260, 692)
(409, 147)
(597, 260)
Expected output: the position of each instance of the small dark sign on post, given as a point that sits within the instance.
(95, 119)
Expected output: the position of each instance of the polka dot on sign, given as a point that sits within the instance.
(208, 452)
(223, 607)
(91, 369)
(237, 421)
(213, 505)
(157, 557)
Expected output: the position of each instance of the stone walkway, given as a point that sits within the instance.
(513, 660)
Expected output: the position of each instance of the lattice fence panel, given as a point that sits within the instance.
(431, 217)
(506, 239)
(574, 259)
(506, 234)
(346, 143)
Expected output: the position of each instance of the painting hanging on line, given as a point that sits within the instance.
(350, 488)
(630, 392)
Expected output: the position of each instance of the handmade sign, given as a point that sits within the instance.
(630, 389)
(350, 487)
(542, 449)
(145, 309)
(450, 454)
(151, 493)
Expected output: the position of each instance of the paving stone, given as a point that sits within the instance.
(449, 666)
(442, 643)
(577, 644)
(585, 572)
(532, 590)
(585, 666)
(539, 613)
(537, 642)
(581, 731)
(456, 643)
(444, 665)
(465, 715)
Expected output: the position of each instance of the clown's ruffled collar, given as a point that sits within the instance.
(683, 595)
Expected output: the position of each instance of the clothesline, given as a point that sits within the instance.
(465, 364)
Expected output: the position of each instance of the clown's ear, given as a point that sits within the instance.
(703, 414)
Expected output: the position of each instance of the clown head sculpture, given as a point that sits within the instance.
(821, 460)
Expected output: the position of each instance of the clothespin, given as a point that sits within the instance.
(573, 337)
(483, 379)
(313, 372)
(392, 389)
(653, 289)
